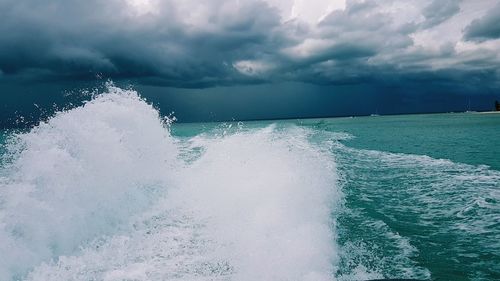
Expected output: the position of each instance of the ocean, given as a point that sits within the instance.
(114, 191)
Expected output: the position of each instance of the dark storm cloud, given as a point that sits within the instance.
(250, 59)
(485, 28)
(193, 44)
(79, 39)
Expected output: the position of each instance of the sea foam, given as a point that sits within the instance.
(104, 192)
(81, 174)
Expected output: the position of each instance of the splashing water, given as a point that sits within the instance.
(104, 192)
(107, 192)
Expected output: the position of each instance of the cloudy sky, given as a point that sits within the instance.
(221, 59)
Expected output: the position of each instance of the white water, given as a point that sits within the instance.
(103, 192)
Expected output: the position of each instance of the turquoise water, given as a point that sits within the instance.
(422, 192)
(464, 137)
(110, 191)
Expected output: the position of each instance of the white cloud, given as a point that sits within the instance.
(253, 67)
(143, 7)
(312, 11)
(308, 11)
(308, 48)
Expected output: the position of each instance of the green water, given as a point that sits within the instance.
(422, 192)
(469, 138)
(465, 138)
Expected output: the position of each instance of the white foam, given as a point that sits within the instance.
(444, 198)
(81, 174)
(268, 197)
(103, 192)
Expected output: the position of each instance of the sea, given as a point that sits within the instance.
(112, 190)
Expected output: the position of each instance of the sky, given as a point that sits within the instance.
(249, 59)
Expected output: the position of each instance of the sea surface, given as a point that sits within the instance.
(113, 191)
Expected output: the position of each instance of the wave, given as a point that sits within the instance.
(446, 188)
(420, 212)
(104, 192)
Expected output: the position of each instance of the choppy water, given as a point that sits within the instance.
(110, 191)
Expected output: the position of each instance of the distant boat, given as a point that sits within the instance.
(375, 114)
(468, 108)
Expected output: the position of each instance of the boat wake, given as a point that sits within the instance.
(104, 192)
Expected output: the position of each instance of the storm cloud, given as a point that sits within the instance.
(448, 45)
(485, 28)
(218, 42)
(184, 44)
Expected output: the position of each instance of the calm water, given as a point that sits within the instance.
(109, 192)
